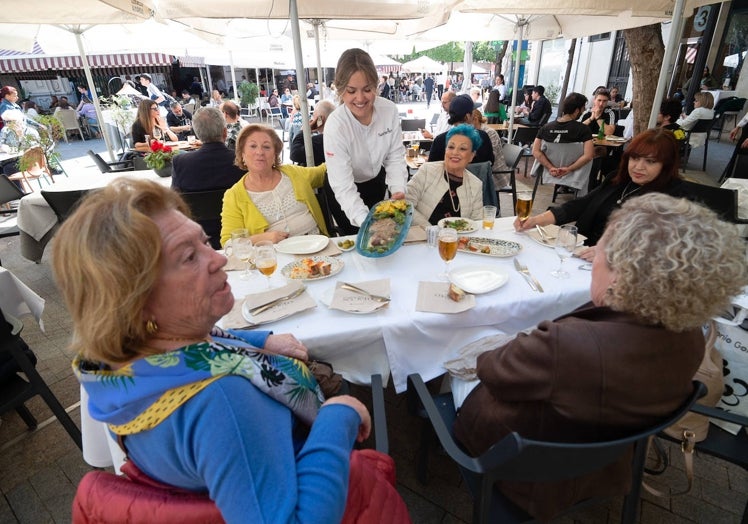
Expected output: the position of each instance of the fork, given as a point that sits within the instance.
(532, 281)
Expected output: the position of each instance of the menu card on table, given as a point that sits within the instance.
(433, 298)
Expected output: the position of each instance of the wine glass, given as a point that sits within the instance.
(447, 248)
(157, 134)
(566, 243)
(265, 260)
(241, 248)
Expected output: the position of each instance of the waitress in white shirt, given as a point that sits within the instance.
(363, 143)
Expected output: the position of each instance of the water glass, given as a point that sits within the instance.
(432, 235)
(566, 243)
(240, 246)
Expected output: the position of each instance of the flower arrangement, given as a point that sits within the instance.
(160, 155)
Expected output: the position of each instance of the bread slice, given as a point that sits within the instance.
(455, 293)
(324, 268)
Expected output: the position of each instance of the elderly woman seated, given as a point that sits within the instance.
(445, 188)
(233, 413)
(616, 365)
(272, 201)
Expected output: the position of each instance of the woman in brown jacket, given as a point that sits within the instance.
(621, 363)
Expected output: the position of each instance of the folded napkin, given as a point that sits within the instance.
(415, 234)
(433, 298)
(352, 302)
(237, 318)
(330, 250)
(464, 365)
(552, 231)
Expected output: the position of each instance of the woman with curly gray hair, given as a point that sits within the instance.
(619, 364)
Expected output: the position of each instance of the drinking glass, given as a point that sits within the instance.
(489, 216)
(566, 243)
(524, 205)
(241, 247)
(265, 260)
(157, 134)
(447, 248)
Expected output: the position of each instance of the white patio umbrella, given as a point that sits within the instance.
(423, 64)
(320, 12)
(29, 14)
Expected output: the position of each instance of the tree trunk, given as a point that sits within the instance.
(646, 51)
(499, 58)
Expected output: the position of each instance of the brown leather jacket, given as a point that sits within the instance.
(593, 374)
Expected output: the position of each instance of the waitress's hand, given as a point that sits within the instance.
(398, 196)
(587, 254)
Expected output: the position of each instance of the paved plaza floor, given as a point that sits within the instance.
(39, 470)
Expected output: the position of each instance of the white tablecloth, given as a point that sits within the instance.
(400, 340)
(36, 218)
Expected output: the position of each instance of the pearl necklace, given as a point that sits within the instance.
(456, 209)
(624, 195)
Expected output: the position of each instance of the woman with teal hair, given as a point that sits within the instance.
(446, 188)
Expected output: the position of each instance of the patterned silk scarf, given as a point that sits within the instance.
(142, 394)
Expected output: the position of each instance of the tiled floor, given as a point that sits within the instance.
(39, 470)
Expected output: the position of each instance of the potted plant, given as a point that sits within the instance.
(51, 131)
(248, 92)
(159, 158)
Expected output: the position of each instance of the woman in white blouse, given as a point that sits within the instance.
(363, 141)
(703, 104)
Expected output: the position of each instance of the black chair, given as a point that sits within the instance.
(9, 192)
(15, 391)
(525, 136)
(110, 167)
(412, 124)
(722, 201)
(726, 107)
(701, 126)
(205, 207)
(512, 156)
(63, 202)
(518, 459)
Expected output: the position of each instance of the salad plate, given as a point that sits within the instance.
(461, 225)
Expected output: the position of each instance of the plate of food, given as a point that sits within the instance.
(478, 279)
(490, 247)
(312, 268)
(346, 243)
(302, 245)
(385, 228)
(461, 225)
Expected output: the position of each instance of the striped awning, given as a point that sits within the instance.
(384, 69)
(61, 63)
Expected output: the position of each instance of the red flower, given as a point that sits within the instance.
(166, 149)
(156, 146)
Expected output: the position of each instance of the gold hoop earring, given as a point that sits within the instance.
(151, 327)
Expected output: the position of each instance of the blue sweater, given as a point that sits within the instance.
(237, 443)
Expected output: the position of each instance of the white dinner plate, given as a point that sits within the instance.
(471, 227)
(552, 231)
(302, 245)
(478, 279)
(614, 138)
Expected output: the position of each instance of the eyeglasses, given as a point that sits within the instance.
(154, 108)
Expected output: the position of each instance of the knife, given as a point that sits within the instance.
(541, 233)
(351, 287)
(265, 307)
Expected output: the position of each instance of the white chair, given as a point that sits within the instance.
(273, 114)
(69, 120)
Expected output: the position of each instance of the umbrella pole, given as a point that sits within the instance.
(316, 24)
(294, 12)
(92, 86)
(233, 75)
(672, 44)
(515, 81)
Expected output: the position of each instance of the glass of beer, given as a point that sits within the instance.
(265, 260)
(447, 248)
(524, 205)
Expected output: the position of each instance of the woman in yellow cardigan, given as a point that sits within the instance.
(272, 201)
